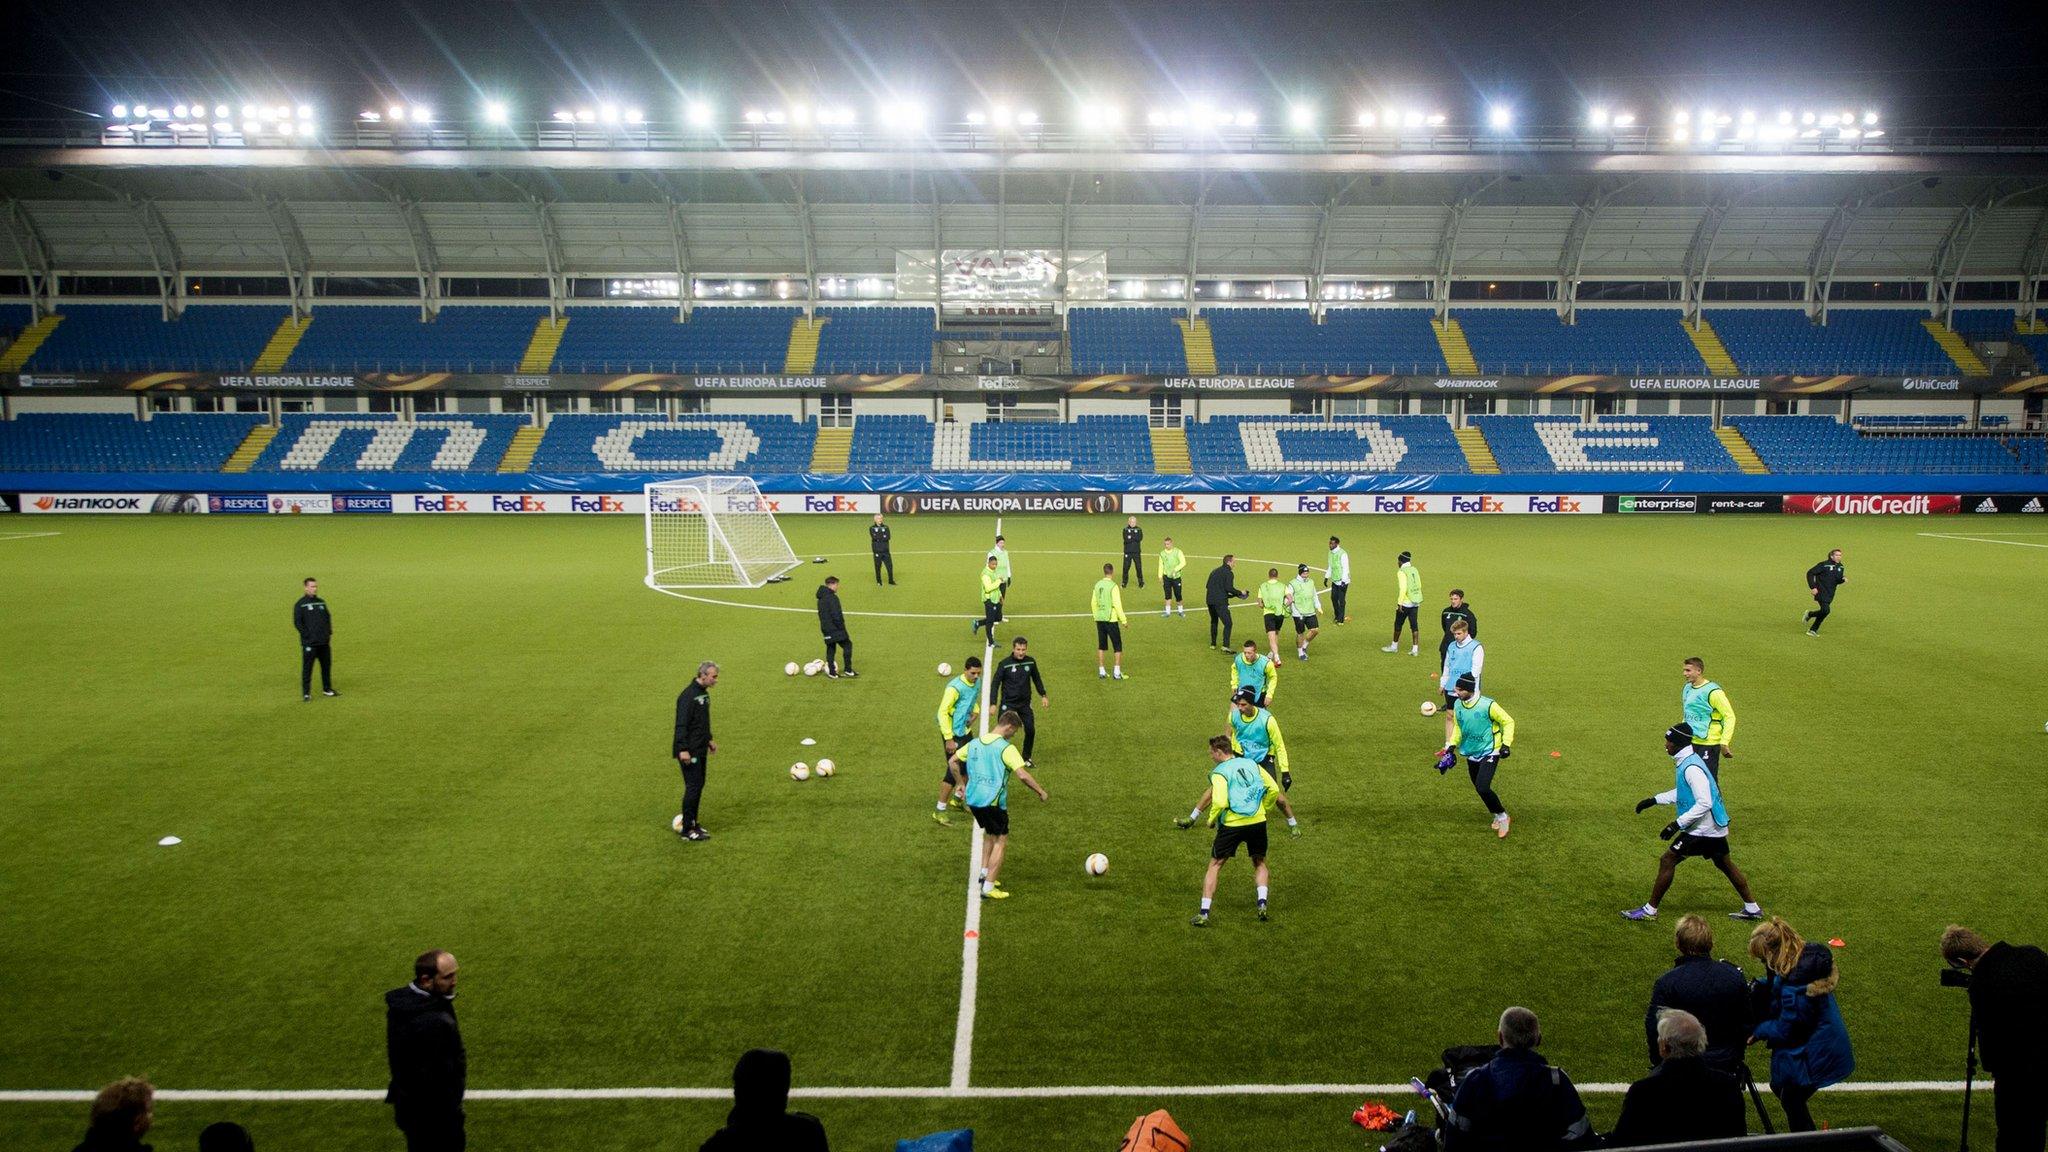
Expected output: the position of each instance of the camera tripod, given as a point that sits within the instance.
(1969, 1081)
(1757, 1098)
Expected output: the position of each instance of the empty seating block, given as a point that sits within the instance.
(136, 338)
(1822, 444)
(1534, 342)
(891, 444)
(1984, 323)
(1090, 444)
(2032, 452)
(116, 442)
(13, 318)
(388, 338)
(1349, 341)
(1143, 341)
(640, 339)
(702, 443)
(875, 340)
(380, 442)
(1239, 444)
(1871, 342)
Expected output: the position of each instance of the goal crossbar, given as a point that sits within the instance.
(713, 532)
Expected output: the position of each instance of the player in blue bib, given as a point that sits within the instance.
(1701, 828)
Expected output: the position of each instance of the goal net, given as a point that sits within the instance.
(713, 532)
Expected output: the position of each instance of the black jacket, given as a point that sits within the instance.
(831, 621)
(2009, 994)
(1681, 1100)
(693, 719)
(878, 539)
(1222, 586)
(311, 618)
(1518, 1102)
(1134, 539)
(1465, 613)
(760, 1120)
(1825, 577)
(1015, 679)
(1716, 993)
(429, 1069)
(98, 1141)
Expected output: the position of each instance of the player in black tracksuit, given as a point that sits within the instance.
(1824, 578)
(1456, 610)
(1221, 591)
(832, 622)
(316, 629)
(693, 745)
(1016, 678)
(1134, 546)
(878, 543)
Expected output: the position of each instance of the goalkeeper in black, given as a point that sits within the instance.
(1016, 679)
(316, 630)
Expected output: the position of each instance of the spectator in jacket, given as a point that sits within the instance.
(832, 622)
(1221, 590)
(315, 627)
(760, 1116)
(1713, 992)
(429, 1069)
(1683, 1098)
(693, 746)
(1517, 1100)
(1801, 1022)
(121, 1113)
(2009, 1002)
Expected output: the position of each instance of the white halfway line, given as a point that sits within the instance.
(906, 1092)
(1985, 539)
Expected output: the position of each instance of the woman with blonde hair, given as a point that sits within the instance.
(1800, 1020)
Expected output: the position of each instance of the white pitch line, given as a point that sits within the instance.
(27, 535)
(1985, 539)
(905, 1092)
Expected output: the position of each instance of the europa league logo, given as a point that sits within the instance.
(899, 504)
(1102, 502)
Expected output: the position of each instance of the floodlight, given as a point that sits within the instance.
(1412, 120)
(1806, 118)
(608, 113)
(585, 116)
(1706, 135)
(1784, 116)
(1625, 120)
(800, 114)
(1156, 118)
(1027, 118)
(422, 115)
(777, 116)
(1436, 119)
(285, 129)
(1681, 117)
(698, 114)
(1869, 118)
(305, 111)
(1368, 120)
(1001, 116)
(1851, 133)
(977, 118)
(1748, 117)
(1597, 118)
(1301, 117)
(1680, 135)
(120, 111)
(754, 116)
(1873, 134)
(220, 112)
(564, 116)
(223, 126)
(495, 112)
(1500, 117)
(1247, 118)
(395, 112)
(635, 116)
(369, 117)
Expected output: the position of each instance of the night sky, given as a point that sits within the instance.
(1922, 63)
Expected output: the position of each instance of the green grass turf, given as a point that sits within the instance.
(495, 781)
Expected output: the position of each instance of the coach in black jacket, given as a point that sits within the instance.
(878, 543)
(316, 629)
(2009, 1004)
(1134, 546)
(832, 622)
(1714, 992)
(1221, 591)
(1823, 578)
(429, 1069)
(1455, 611)
(693, 745)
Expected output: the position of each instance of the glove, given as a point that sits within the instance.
(1183, 823)
(1503, 753)
(1294, 830)
(1645, 804)
(1446, 762)
(1286, 780)
(1668, 831)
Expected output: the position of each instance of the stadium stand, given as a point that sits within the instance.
(117, 442)
(1349, 341)
(1138, 340)
(2032, 452)
(14, 318)
(1873, 342)
(875, 340)
(1090, 444)
(1238, 444)
(653, 340)
(1824, 445)
(751, 444)
(384, 338)
(1533, 341)
(380, 442)
(1984, 323)
(1566, 444)
(136, 338)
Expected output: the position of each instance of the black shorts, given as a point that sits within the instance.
(1252, 836)
(1710, 755)
(1450, 700)
(952, 768)
(1171, 586)
(1405, 613)
(1304, 623)
(1704, 847)
(1108, 635)
(1273, 622)
(994, 819)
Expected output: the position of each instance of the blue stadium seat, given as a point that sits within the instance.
(1144, 341)
(13, 318)
(875, 340)
(709, 442)
(1240, 444)
(644, 339)
(1608, 444)
(2032, 452)
(117, 442)
(1349, 341)
(380, 442)
(136, 338)
(1870, 342)
(391, 338)
(1089, 444)
(1824, 445)
(1534, 342)
(1984, 323)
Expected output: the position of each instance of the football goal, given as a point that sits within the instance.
(713, 532)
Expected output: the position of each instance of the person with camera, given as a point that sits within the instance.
(2008, 986)
(1799, 1019)
(1518, 1100)
(1713, 992)
(1683, 1098)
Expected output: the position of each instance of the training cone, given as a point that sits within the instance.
(1554, 754)
(1838, 942)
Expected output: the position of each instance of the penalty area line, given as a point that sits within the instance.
(1986, 538)
(904, 1092)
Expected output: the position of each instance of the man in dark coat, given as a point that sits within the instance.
(693, 746)
(1713, 992)
(1221, 590)
(429, 1069)
(2009, 1003)
(121, 1113)
(832, 622)
(760, 1117)
(315, 627)
(1682, 1099)
(1823, 578)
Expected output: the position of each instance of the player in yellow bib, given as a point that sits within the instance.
(1239, 796)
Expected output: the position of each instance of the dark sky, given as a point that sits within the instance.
(1928, 62)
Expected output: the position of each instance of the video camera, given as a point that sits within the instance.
(1955, 976)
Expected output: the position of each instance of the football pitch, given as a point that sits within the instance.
(495, 780)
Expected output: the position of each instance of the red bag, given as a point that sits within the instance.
(1155, 1133)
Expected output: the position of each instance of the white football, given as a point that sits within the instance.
(945, 669)
(1429, 707)
(813, 668)
(826, 767)
(799, 771)
(1097, 864)
(789, 669)
(677, 823)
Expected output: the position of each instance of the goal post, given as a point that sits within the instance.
(713, 532)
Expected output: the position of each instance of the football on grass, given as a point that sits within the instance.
(677, 823)
(799, 771)
(945, 669)
(1097, 864)
(789, 669)
(1429, 707)
(826, 768)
